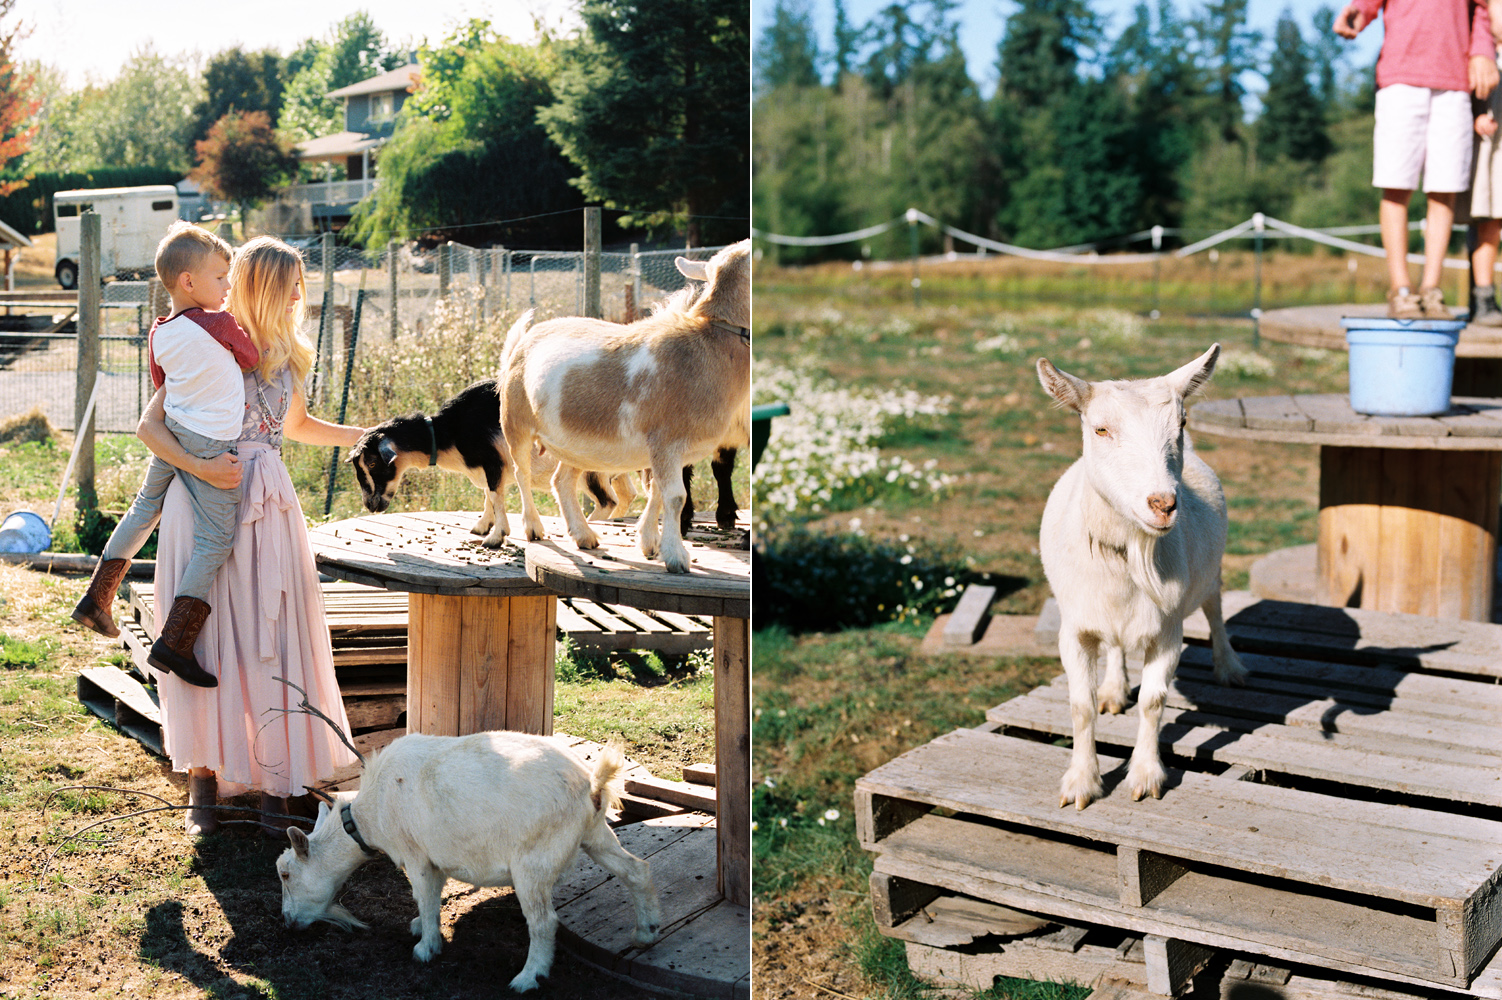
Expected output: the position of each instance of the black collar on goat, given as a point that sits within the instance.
(432, 442)
(742, 332)
(348, 819)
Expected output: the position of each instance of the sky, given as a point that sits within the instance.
(93, 38)
(982, 21)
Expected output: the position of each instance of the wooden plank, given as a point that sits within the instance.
(679, 793)
(601, 616)
(895, 901)
(437, 657)
(1219, 413)
(1144, 874)
(969, 618)
(114, 683)
(1348, 524)
(1333, 415)
(1354, 635)
(732, 694)
(979, 971)
(530, 657)
(483, 675)
(639, 621)
(699, 774)
(1276, 413)
(1172, 963)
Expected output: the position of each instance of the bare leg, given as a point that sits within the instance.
(1081, 784)
(1484, 259)
(1393, 216)
(1441, 218)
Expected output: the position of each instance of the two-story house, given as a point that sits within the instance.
(370, 109)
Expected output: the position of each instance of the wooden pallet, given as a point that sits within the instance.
(368, 625)
(1368, 838)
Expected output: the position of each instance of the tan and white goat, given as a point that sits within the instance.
(496, 808)
(1131, 542)
(659, 394)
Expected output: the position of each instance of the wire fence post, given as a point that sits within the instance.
(1259, 224)
(912, 229)
(1214, 256)
(633, 283)
(89, 295)
(325, 315)
(592, 262)
(1157, 272)
(391, 289)
(445, 267)
(349, 370)
(506, 271)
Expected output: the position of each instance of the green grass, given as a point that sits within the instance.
(21, 653)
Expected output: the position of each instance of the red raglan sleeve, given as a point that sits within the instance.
(223, 328)
(1482, 43)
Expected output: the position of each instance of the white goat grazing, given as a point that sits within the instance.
(489, 809)
(1131, 543)
(657, 394)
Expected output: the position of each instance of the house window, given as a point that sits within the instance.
(382, 107)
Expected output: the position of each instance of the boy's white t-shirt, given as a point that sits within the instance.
(205, 388)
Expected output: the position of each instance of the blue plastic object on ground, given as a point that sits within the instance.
(24, 531)
(1401, 367)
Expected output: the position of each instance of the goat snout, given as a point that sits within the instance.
(1163, 506)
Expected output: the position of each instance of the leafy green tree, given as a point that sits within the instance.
(653, 108)
(788, 53)
(244, 160)
(1292, 123)
(236, 80)
(846, 42)
(485, 157)
(355, 50)
(142, 118)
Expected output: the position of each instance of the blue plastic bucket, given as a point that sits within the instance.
(24, 531)
(1402, 367)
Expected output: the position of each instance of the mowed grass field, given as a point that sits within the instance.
(830, 706)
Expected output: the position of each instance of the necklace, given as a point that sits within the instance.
(273, 419)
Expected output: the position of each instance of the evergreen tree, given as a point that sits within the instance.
(846, 43)
(1228, 49)
(787, 55)
(1292, 122)
(1042, 48)
(654, 109)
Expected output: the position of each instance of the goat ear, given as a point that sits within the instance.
(299, 842)
(1191, 378)
(387, 450)
(1065, 388)
(693, 269)
(323, 810)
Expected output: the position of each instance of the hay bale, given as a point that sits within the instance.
(32, 425)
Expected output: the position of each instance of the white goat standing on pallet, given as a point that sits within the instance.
(658, 394)
(1131, 543)
(498, 808)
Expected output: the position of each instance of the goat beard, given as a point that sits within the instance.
(1142, 566)
(342, 918)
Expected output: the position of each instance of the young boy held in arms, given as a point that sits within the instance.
(199, 353)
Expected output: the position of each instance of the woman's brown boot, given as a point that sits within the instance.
(173, 650)
(274, 809)
(93, 609)
(203, 790)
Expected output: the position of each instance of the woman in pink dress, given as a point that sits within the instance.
(268, 618)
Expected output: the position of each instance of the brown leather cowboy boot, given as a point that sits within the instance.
(173, 650)
(93, 609)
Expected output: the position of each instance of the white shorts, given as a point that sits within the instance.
(1426, 131)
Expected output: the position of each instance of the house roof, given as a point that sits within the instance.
(9, 237)
(401, 78)
(339, 144)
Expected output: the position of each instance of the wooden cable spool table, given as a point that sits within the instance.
(480, 632)
(1408, 505)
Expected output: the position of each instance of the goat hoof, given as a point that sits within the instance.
(524, 982)
(494, 541)
(1112, 705)
(425, 953)
(417, 926)
(1233, 676)
(646, 935)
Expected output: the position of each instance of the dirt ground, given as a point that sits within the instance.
(146, 911)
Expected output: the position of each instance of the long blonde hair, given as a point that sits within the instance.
(261, 278)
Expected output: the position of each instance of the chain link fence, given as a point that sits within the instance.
(359, 303)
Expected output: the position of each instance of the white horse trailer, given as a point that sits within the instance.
(132, 221)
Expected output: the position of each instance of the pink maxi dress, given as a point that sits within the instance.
(267, 622)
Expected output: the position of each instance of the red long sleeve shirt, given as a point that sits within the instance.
(1428, 43)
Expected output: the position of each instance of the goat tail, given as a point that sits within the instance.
(514, 335)
(604, 784)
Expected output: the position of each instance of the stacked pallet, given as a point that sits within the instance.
(1342, 812)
